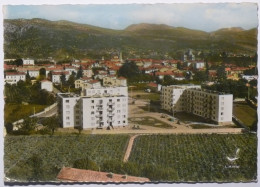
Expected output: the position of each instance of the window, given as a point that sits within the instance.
(222, 113)
(118, 111)
(92, 101)
(67, 112)
(92, 112)
(67, 101)
(118, 122)
(67, 117)
(118, 99)
(92, 107)
(67, 106)
(67, 123)
(124, 121)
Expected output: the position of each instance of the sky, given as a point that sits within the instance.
(207, 17)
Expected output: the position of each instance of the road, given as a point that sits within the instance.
(49, 113)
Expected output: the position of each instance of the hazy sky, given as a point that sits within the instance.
(207, 17)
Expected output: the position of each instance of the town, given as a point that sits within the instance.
(130, 93)
(133, 96)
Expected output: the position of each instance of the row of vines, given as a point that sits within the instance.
(199, 157)
(55, 152)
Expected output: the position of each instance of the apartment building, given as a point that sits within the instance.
(99, 108)
(211, 105)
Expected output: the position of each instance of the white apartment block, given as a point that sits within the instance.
(14, 77)
(98, 108)
(211, 105)
(28, 61)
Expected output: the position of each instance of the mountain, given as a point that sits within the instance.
(39, 38)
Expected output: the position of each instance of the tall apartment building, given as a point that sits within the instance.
(98, 108)
(211, 105)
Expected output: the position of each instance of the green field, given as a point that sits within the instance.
(54, 152)
(199, 157)
(14, 112)
(245, 113)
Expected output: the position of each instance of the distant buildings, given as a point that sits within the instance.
(98, 108)
(28, 61)
(14, 77)
(214, 106)
(188, 56)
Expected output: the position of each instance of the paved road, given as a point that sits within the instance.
(49, 113)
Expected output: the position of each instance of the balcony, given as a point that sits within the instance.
(110, 103)
(100, 121)
(99, 104)
(99, 109)
(99, 116)
(111, 109)
(110, 114)
(110, 121)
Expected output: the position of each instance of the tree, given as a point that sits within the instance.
(71, 80)
(9, 128)
(79, 73)
(51, 123)
(129, 70)
(80, 128)
(42, 72)
(63, 79)
(28, 126)
(200, 76)
(221, 74)
(179, 65)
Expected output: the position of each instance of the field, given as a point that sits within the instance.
(175, 158)
(52, 153)
(245, 113)
(20, 111)
(150, 122)
(199, 157)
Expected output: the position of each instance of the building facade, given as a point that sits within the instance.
(47, 85)
(213, 106)
(14, 77)
(28, 61)
(98, 108)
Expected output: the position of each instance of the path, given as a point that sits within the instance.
(129, 148)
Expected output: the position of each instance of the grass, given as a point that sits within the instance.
(203, 126)
(245, 113)
(14, 112)
(149, 96)
(183, 116)
(151, 122)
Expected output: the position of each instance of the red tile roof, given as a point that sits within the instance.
(60, 73)
(14, 73)
(80, 175)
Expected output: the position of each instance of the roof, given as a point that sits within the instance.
(81, 175)
(152, 84)
(60, 73)
(14, 73)
(46, 81)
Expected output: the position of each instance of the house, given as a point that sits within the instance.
(14, 77)
(103, 107)
(87, 72)
(81, 175)
(47, 85)
(114, 81)
(70, 69)
(28, 61)
(55, 76)
(211, 105)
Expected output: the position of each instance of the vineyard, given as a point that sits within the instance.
(199, 157)
(54, 152)
(175, 158)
